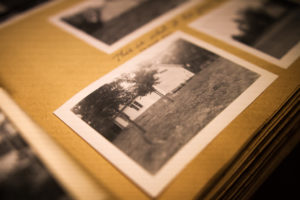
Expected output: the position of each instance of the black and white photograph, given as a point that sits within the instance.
(269, 29)
(149, 115)
(110, 24)
(22, 174)
(12, 9)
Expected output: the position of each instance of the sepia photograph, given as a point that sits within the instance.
(268, 28)
(22, 174)
(109, 24)
(153, 106)
(152, 111)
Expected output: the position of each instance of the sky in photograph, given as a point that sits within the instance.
(221, 20)
(114, 8)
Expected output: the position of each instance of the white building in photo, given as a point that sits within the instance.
(171, 78)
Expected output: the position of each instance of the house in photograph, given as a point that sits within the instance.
(171, 78)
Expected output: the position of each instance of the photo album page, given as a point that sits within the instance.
(153, 99)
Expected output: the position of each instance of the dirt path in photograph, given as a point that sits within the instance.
(171, 124)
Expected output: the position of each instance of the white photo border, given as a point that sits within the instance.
(283, 62)
(69, 174)
(56, 20)
(154, 184)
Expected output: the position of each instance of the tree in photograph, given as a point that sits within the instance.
(105, 101)
(100, 108)
(140, 83)
(253, 22)
(144, 81)
(104, 105)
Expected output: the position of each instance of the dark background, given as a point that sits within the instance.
(283, 183)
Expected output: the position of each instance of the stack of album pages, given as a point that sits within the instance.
(143, 99)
